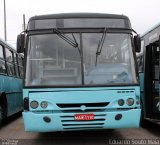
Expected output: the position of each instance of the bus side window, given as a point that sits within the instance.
(9, 59)
(1, 52)
(20, 65)
(140, 63)
(2, 62)
(16, 64)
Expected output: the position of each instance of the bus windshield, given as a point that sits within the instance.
(51, 61)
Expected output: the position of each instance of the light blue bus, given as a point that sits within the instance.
(11, 74)
(149, 72)
(80, 72)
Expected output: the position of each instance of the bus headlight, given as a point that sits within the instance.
(44, 104)
(130, 101)
(34, 104)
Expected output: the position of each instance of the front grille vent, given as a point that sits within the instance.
(69, 123)
(74, 105)
(125, 91)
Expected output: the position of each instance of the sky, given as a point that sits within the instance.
(143, 14)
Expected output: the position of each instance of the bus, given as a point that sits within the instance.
(149, 72)
(80, 72)
(11, 75)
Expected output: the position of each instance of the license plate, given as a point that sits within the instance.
(79, 117)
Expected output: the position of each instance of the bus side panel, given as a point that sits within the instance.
(13, 89)
(141, 76)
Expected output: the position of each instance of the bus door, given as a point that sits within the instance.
(152, 80)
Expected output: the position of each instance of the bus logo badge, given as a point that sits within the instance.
(83, 107)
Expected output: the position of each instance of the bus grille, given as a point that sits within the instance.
(103, 104)
(75, 107)
(69, 123)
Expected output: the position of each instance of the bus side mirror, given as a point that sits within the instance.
(137, 43)
(20, 43)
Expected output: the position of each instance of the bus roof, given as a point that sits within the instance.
(9, 46)
(151, 35)
(78, 15)
(151, 29)
(6, 43)
(79, 20)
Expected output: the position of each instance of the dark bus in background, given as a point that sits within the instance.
(149, 72)
(11, 75)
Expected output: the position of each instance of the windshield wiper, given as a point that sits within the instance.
(100, 44)
(65, 37)
(77, 44)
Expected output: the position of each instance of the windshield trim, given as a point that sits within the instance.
(80, 30)
(80, 86)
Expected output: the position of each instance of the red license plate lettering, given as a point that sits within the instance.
(79, 117)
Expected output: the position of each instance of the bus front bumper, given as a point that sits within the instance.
(51, 122)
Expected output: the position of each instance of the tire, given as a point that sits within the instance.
(142, 119)
(1, 115)
(3, 107)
